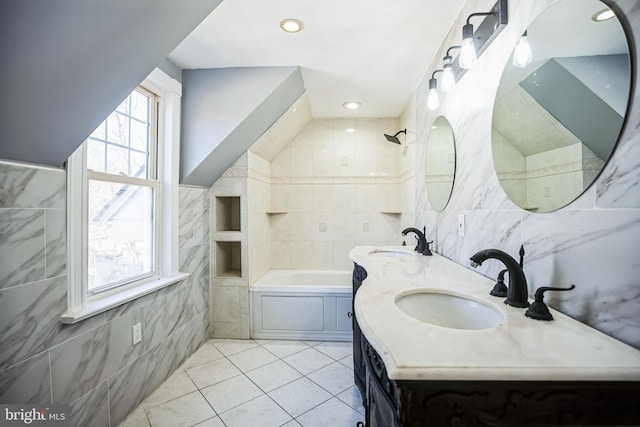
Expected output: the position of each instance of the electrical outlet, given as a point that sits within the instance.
(322, 227)
(365, 227)
(137, 333)
(461, 225)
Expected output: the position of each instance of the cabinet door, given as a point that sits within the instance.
(380, 409)
(344, 314)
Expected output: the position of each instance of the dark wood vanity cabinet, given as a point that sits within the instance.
(359, 274)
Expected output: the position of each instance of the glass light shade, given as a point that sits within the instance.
(467, 53)
(433, 100)
(448, 80)
(522, 54)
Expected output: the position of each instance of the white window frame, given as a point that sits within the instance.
(80, 303)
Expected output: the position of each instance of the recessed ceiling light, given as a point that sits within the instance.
(291, 25)
(350, 130)
(351, 105)
(603, 15)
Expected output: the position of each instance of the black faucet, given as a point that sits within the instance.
(518, 291)
(422, 241)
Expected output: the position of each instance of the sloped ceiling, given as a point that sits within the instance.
(66, 64)
(224, 111)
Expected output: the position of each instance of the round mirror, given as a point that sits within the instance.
(440, 163)
(557, 119)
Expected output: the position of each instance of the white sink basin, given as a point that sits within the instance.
(448, 310)
(392, 253)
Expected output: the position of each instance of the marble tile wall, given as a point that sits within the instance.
(592, 243)
(230, 293)
(338, 189)
(90, 365)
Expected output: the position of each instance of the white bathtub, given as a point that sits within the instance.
(302, 304)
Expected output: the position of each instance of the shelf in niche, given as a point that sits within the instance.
(277, 212)
(227, 213)
(391, 213)
(227, 236)
(228, 259)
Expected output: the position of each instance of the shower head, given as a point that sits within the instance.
(394, 138)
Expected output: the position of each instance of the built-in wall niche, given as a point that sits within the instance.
(228, 259)
(227, 213)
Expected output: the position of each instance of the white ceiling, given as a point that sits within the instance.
(371, 51)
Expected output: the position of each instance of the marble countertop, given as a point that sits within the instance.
(518, 349)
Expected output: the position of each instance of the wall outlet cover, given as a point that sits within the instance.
(137, 333)
(461, 225)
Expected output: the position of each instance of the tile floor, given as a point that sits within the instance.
(257, 383)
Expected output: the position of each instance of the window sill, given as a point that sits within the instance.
(101, 305)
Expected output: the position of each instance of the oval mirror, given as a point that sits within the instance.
(440, 163)
(557, 120)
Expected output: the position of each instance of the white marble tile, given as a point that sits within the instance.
(137, 418)
(27, 382)
(22, 248)
(211, 422)
(207, 353)
(262, 410)
(232, 346)
(347, 361)
(334, 378)
(252, 358)
(274, 375)
(292, 423)
(231, 393)
(332, 413)
(92, 408)
(299, 396)
(178, 384)
(308, 360)
(183, 411)
(212, 373)
(336, 350)
(27, 187)
(352, 397)
(285, 348)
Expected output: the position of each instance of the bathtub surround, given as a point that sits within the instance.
(90, 365)
(591, 243)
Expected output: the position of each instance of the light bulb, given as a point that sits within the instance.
(433, 100)
(467, 50)
(522, 54)
(448, 80)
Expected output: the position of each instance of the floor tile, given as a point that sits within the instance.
(211, 422)
(183, 411)
(262, 410)
(351, 397)
(212, 372)
(332, 413)
(347, 361)
(137, 418)
(274, 375)
(252, 358)
(262, 342)
(336, 350)
(285, 348)
(229, 347)
(292, 423)
(231, 393)
(312, 343)
(299, 396)
(308, 360)
(334, 378)
(206, 353)
(175, 386)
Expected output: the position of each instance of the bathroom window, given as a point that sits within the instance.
(121, 186)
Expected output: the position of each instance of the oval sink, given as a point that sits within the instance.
(392, 253)
(449, 310)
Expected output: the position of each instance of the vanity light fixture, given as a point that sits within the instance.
(603, 15)
(522, 54)
(474, 44)
(433, 99)
(351, 105)
(291, 25)
(448, 79)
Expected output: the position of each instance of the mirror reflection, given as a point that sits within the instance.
(557, 120)
(440, 163)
